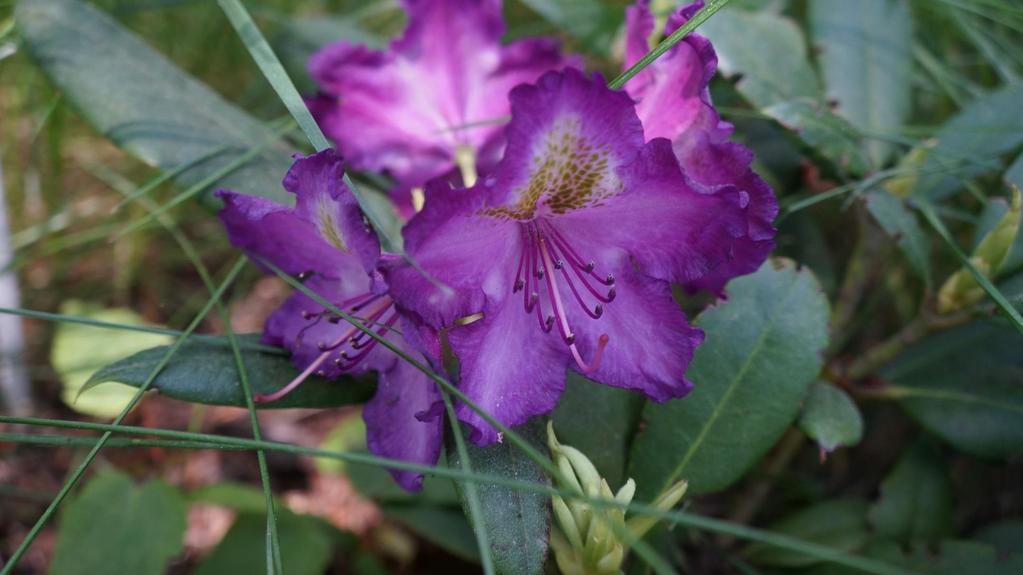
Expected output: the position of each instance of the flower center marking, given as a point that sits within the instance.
(351, 347)
(544, 253)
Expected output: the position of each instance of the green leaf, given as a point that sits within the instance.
(901, 225)
(445, 528)
(830, 417)
(839, 523)
(598, 420)
(828, 135)
(965, 386)
(204, 372)
(762, 350)
(374, 482)
(1014, 174)
(79, 350)
(866, 60)
(1005, 535)
(114, 527)
(972, 142)
(916, 498)
(142, 102)
(306, 546)
(950, 557)
(237, 496)
(589, 21)
(518, 523)
(767, 51)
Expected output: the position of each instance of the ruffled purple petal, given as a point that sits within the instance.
(672, 231)
(568, 135)
(472, 256)
(325, 233)
(650, 343)
(405, 420)
(443, 84)
(673, 101)
(509, 368)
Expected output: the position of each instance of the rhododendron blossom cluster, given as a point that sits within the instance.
(557, 255)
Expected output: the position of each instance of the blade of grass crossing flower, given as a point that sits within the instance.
(211, 441)
(509, 434)
(472, 495)
(271, 67)
(273, 548)
(932, 218)
(91, 456)
(709, 9)
(273, 70)
(641, 548)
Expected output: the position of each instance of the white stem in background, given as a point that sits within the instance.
(14, 386)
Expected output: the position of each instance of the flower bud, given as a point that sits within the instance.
(961, 289)
(595, 540)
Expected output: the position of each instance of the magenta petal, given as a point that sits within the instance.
(472, 256)
(673, 102)
(568, 135)
(405, 421)
(324, 200)
(650, 344)
(509, 368)
(325, 233)
(672, 231)
(443, 84)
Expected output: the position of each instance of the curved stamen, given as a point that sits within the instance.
(598, 310)
(562, 318)
(350, 361)
(377, 311)
(575, 258)
(582, 271)
(268, 397)
(589, 368)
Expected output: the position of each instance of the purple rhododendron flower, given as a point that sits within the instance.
(568, 249)
(673, 102)
(325, 240)
(440, 89)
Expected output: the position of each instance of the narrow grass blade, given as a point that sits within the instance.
(709, 9)
(80, 470)
(471, 493)
(820, 552)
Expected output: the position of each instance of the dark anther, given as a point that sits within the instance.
(611, 294)
(559, 264)
(590, 266)
(321, 373)
(539, 273)
(570, 339)
(337, 362)
(305, 275)
(610, 280)
(307, 314)
(334, 319)
(598, 310)
(519, 284)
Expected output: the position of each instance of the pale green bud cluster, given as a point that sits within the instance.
(961, 288)
(594, 540)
